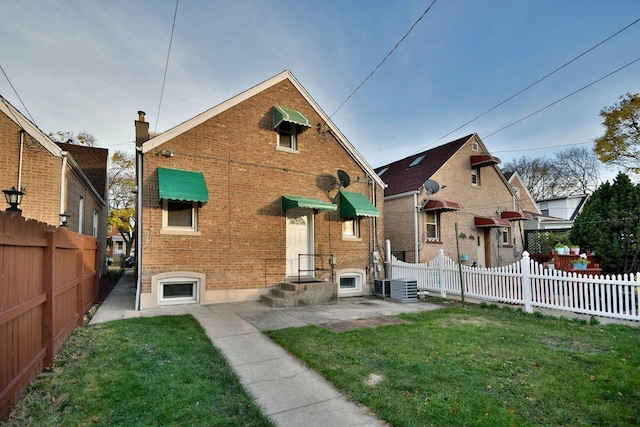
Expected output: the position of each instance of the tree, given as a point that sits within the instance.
(620, 144)
(572, 171)
(610, 224)
(83, 138)
(122, 182)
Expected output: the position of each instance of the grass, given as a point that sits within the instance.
(481, 366)
(160, 371)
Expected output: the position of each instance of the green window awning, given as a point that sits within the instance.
(181, 185)
(281, 114)
(292, 202)
(356, 204)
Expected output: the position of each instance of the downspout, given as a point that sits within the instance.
(20, 160)
(63, 182)
(375, 228)
(415, 226)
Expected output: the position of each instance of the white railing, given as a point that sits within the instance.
(526, 282)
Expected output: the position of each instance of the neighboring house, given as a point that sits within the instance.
(474, 195)
(116, 246)
(528, 202)
(564, 207)
(246, 195)
(56, 178)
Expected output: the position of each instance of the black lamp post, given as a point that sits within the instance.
(14, 198)
(64, 217)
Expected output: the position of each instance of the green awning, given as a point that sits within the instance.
(356, 204)
(292, 202)
(181, 185)
(281, 114)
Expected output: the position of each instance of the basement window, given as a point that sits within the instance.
(178, 290)
(350, 281)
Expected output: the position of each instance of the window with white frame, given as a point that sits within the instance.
(431, 226)
(287, 136)
(179, 216)
(351, 228)
(474, 146)
(178, 290)
(95, 223)
(475, 177)
(80, 214)
(506, 240)
(350, 281)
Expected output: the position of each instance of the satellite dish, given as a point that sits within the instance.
(431, 186)
(344, 179)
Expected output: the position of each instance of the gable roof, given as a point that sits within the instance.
(402, 178)
(160, 139)
(514, 176)
(92, 161)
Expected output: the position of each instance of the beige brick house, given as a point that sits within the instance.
(474, 194)
(246, 196)
(56, 178)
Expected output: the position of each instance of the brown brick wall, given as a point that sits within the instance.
(242, 240)
(485, 200)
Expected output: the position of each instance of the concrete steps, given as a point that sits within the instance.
(291, 294)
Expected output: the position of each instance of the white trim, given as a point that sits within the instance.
(351, 273)
(167, 229)
(159, 280)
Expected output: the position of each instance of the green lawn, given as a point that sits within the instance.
(481, 366)
(160, 371)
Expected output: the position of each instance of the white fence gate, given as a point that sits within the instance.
(526, 282)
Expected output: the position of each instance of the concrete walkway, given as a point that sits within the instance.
(287, 391)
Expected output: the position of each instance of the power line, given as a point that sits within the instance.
(563, 98)
(166, 66)
(16, 92)
(542, 148)
(385, 58)
(532, 84)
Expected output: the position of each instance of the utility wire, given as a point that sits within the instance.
(166, 66)
(385, 58)
(542, 148)
(563, 98)
(16, 92)
(532, 84)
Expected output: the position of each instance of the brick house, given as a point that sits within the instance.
(246, 195)
(56, 178)
(473, 193)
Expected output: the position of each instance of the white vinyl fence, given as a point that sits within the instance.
(526, 282)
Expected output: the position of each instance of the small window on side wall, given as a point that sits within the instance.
(287, 137)
(506, 241)
(351, 228)
(475, 177)
(179, 216)
(431, 225)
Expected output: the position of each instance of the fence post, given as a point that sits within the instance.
(387, 257)
(525, 269)
(441, 261)
(48, 308)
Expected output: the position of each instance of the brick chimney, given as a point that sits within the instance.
(142, 129)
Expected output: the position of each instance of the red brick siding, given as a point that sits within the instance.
(242, 241)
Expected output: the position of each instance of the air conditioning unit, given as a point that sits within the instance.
(404, 290)
(382, 288)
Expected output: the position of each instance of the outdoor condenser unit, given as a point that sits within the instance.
(382, 287)
(404, 290)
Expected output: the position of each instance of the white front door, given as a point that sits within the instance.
(299, 241)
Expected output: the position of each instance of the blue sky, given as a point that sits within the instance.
(91, 65)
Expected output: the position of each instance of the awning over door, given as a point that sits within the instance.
(281, 114)
(356, 204)
(441, 205)
(182, 185)
(483, 160)
(293, 202)
(485, 221)
(515, 216)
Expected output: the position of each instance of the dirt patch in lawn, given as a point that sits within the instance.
(373, 322)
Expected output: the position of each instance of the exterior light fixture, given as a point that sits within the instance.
(14, 198)
(64, 217)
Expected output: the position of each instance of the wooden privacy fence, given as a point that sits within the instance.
(48, 281)
(526, 282)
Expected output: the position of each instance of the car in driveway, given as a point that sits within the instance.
(130, 261)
